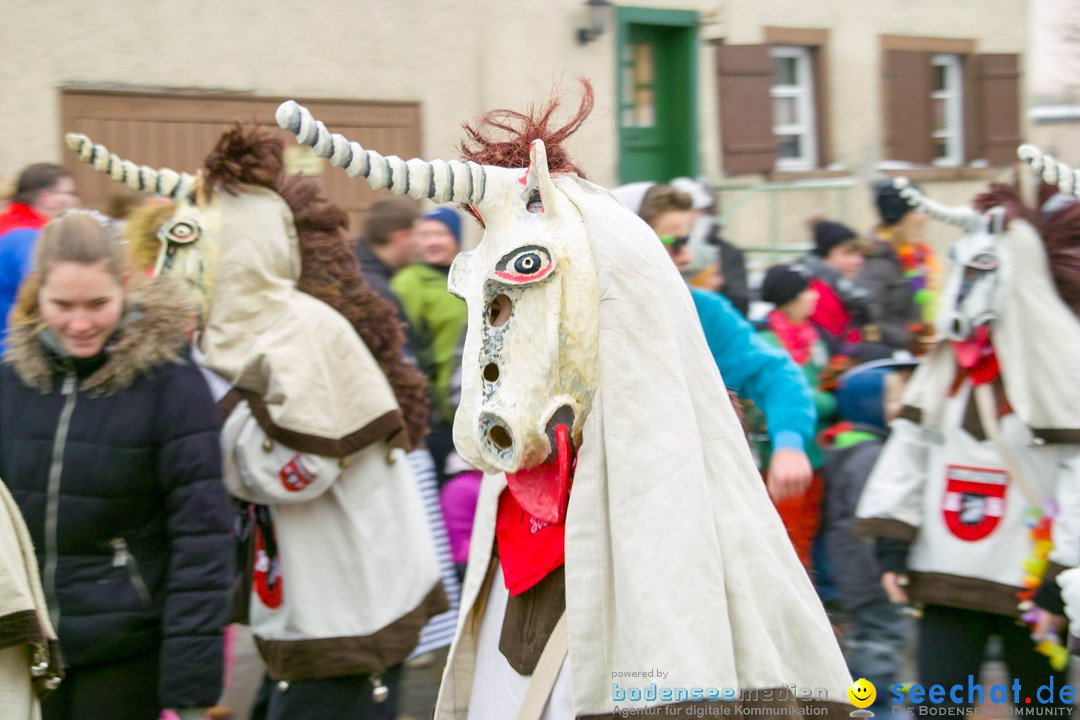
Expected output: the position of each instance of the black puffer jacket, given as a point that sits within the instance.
(115, 463)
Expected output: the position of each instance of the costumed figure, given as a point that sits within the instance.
(984, 455)
(1060, 215)
(622, 525)
(322, 411)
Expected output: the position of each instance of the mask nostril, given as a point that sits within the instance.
(491, 372)
(500, 437)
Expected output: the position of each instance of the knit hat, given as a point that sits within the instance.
(891, 204)
(783, 283)
(860, 392)
(447, 217)
(828, 234)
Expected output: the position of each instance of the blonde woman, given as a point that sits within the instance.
(109, 444)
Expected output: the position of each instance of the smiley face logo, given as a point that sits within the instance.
(862, 693)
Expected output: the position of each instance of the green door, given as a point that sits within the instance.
(657, 103)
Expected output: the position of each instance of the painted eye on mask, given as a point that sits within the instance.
(181, 232)
(524, 265)
(984, 261)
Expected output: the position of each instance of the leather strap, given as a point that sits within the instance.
(986, 404)
(546, 673)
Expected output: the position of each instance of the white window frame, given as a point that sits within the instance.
(953, 95)
(803, 93)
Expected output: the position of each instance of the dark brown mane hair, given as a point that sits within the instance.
(1060, 234)
(502, 137)
(329, 271)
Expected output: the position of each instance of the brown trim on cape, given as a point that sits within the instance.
(1056, 436)
(319, 658)
(747, 704)
(20, 628)
(912, 413)
(389, 427)
(1053, 569)
(23, 629)
(869, 528)
(228, 403)
(530, 619)
(932, 588)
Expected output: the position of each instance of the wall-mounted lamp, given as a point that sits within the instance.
(598, 16)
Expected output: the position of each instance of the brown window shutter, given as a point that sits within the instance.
(973, 120)
(744, 76)
(999, 100)
(821, 105)
(906, 94)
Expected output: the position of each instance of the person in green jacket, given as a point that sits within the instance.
(438, 320)
(788, 327)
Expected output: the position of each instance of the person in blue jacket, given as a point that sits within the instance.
(750, 366)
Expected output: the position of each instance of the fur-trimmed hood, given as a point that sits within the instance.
(153, 330)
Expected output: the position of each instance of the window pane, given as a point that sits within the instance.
(785, 111)
(938, 106)
(643, 64)
(790, 146)
(784, 71)
(940, 77)
(644, 110)
(941, 148)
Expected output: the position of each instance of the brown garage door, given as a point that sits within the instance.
(179, 130)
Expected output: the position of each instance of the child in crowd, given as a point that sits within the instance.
(867, 397)
(788, 327)
(842, 315)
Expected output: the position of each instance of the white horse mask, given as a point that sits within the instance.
(189, 239)
(979, 267)
(529, 367)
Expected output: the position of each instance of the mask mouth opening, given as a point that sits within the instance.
(958, 327)
(563, 416)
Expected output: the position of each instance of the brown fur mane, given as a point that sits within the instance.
(502, 137)
(244, 155)
(329, 271)
(1060, 233)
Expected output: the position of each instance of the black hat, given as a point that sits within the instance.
(783, 283)
(828, 235)
(891, 204)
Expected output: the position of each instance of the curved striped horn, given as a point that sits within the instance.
(963, 217)
(1050, 170)
(165, 182)
(441, 181)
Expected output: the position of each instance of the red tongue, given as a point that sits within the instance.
(544, 491)
(970, 351)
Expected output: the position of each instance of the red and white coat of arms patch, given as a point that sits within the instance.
(296, 476)
(974, 501)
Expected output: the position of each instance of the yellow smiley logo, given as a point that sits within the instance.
(862, 693)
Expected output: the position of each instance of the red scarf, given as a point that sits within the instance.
(20, 217)
(798, 340)
(976, 359)
(529, 549)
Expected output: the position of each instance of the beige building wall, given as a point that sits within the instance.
(855, 95)
(459, 59)
(456, 59)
